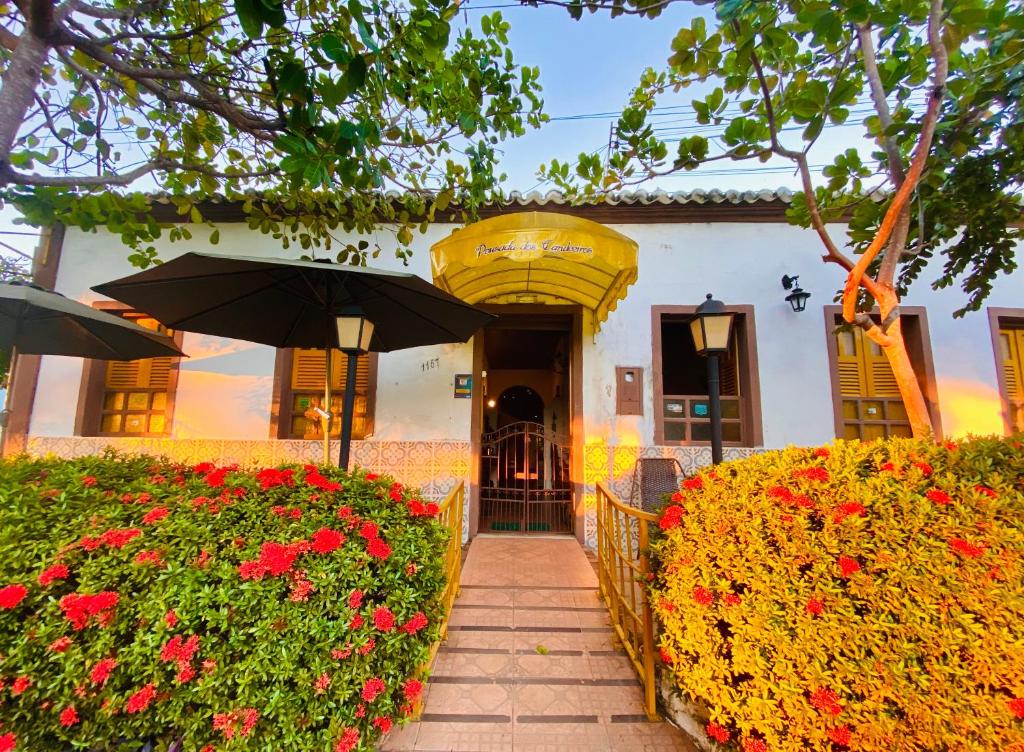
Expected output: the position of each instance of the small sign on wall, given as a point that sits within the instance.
(463, 385)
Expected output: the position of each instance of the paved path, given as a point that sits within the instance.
(530, 664)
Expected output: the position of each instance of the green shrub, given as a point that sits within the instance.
(866, 596)
(215, 608)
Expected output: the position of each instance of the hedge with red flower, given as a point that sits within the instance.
(863, 596)
(144, 600)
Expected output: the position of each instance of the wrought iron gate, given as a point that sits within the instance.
(524, 480)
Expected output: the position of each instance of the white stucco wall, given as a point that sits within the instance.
(224, 389)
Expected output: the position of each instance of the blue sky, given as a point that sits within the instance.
(591, 66)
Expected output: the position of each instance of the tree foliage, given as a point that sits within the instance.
(781, 72)
(309, 111)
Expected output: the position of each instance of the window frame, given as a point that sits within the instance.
(93, 384)
(282, 395)
(751, 421)
(998, 319)
(919, 348)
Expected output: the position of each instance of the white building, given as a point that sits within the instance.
(603, 393)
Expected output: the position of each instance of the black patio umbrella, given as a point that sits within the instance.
(35, 321)
(308, 304)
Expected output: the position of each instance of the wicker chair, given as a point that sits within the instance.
(653, 477)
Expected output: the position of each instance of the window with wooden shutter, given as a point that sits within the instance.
(137, 393)
(308, 374)
(1011, 353)
(682, 410)
(871, 404)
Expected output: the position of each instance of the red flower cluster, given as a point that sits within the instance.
(938, 496)
(117, 538)
(672, 517)
(415, 624)
(703, 596)
(378, 549)
(383, 723)
(154, 515)
(349, 737)
(383, 619)
(69, 716)
(693, 484)
(826, 700)
(12, 595)
(787, 497)
(373, 688)
(141, 699)
(53, 573)
(666, 657)
(8, 742)
(412, 689)
(1016, 706)
(19, 685)
(102, 671)
(848, 565)
(985, 491)
(815, 474)
(271, 478)
(60, 644)
(78, 609)
(731, 599)
(301, 588)
(848, 509)
(924, 467)
(228, 723)
(815, 606)
(355, 599)
(182, 654)
(275, 559)
(322, 683)
(149, 557)
(719, 733)
(822, 452)
(840, 735)
(326, 540)
(280, 511)
(965, 548)
(89, 481)
(418, 509)
(315, 479)
(751, 744)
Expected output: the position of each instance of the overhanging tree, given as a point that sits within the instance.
(945, 82)
(307, 111)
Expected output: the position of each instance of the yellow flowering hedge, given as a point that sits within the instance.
(865, 596)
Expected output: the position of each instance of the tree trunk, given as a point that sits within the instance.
(17, 91)
(895, 350)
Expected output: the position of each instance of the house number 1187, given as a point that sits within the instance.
(429, 365)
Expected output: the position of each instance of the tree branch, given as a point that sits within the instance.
(9, 174)
(902, 197)
(867, 49)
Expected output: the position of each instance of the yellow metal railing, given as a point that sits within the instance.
(450, 515)
(622, 539)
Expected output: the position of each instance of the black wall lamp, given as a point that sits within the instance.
(797, 298)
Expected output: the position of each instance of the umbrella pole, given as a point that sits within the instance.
(7, 399)
(347, 409)
(326, 419)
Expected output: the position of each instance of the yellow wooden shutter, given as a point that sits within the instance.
(150, 373)
(881, 379)
(308, 371)
(1011, 343)
(850, 363)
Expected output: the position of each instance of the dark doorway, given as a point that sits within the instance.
(524, 444)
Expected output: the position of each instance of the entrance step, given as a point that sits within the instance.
(531, 662)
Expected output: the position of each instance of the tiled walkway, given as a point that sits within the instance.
(530, 662)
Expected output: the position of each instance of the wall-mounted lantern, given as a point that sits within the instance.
(797, 298)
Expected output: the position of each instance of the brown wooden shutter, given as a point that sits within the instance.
(339, 372)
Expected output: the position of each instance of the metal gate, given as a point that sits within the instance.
(524, 480)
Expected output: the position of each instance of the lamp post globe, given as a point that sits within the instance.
(711, 328)
(354, 334)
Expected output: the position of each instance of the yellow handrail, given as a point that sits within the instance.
(623, 536)
(449, 515)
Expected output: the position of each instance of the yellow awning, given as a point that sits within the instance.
(537, 257)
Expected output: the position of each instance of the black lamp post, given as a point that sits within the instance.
(711, 327)
(354, 334)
